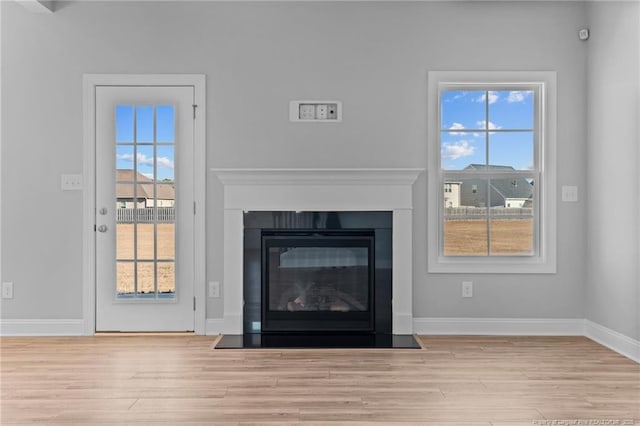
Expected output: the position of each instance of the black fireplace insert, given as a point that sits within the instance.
(318, 280)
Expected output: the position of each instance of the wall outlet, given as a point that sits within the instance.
(321, 112)
(214, 289)
(467, 289)
(7, 290)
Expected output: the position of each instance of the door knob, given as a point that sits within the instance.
(103, 211)
(102, 228)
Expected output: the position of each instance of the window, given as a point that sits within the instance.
(493, 135)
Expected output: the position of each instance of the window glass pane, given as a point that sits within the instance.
(165, 164)
(465, 225)
(511, 227)
(511, 192)
(465, 236)
(473, 193)
(165, 123)
(125, 278)
(124, 123)
(513, 109)
(512, 149)
(166, 279)
(146, 241)
(512, 237)
(145, 162)
(459, 150)
(124, 158)
(462, 109)
(144, 124)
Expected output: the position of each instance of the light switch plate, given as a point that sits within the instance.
(71, 182)
(570, 194)
(7, 290)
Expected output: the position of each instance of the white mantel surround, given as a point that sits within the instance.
(318, 190)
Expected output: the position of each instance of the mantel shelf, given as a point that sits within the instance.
(329, 176)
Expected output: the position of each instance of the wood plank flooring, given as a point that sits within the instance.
(180, 379)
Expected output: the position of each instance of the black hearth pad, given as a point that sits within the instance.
(317, 341)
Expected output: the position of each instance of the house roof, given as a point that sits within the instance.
(144, 187)
(506, 187)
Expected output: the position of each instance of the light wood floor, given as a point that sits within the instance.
(182, 380)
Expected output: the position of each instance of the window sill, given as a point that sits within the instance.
(490, 266)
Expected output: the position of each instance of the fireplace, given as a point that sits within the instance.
(316, 272)
(318, 280)
(251, 196)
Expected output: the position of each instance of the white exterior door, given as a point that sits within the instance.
(144, 208)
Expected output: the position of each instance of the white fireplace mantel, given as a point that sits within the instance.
(318, 190)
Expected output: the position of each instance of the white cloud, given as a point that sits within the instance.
(457, 126)
(148, 161)
(482, 124)
(493, 97)
(453, 151)
(517, 96)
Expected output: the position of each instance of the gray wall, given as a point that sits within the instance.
(612, 296)
(374, 57)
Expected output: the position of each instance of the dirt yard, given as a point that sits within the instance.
(462, 238)
(469, 237)
(146, 245)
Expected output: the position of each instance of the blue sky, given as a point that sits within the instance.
(476, 121)
(144, 137)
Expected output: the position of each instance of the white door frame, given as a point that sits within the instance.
(91, 81)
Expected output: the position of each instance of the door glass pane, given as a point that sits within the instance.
(166, 279)
(146, 278)
(125, 238)
(125, 279)
(165, 163)
(145, 163)
(124, 157)
(124, 124)
(145, 198)
(146, 241)
(144, 124)
(165, 123)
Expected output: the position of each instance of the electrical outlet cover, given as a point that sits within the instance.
(307, 112)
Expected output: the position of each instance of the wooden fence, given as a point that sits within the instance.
(147, 215)
(471, 212)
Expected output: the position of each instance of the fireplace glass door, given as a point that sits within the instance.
(317, 281)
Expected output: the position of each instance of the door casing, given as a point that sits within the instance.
(91, 81)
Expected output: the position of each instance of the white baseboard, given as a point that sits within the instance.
(613, 340)
(499, 326)
(42, 327)
(214, 326)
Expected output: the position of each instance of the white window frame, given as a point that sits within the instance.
(543, 261)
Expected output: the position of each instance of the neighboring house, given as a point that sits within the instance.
(507, 192)
(452, 194)
(144, 187)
